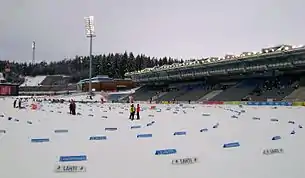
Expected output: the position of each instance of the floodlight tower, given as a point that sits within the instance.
(33, 51)
(90, 33)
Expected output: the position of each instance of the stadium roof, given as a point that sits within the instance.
(244, 55)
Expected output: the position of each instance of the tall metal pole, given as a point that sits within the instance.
(90, 34)
(81, 68)
(90, 66)
(33, 51)
(33, 57)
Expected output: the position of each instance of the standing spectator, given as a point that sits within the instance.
(15, 102)
(138, 111)
(19, 103)
(70, 106)
(73, 108)
(132, 112)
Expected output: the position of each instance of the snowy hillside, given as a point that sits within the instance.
(33, 81)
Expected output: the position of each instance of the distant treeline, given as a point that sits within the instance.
(113, 65)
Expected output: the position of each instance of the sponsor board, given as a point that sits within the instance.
(232, 102)
(69, 168)
(269, 103)
(183, 161)
(298, 104)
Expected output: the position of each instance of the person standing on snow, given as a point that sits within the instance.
(132, 112)
(70, 107)
(19, 103)
(138, 111)
(73, 108)
(15, 103)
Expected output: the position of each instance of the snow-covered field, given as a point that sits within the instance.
(123, 155)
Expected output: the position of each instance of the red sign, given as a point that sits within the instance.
(5, 90)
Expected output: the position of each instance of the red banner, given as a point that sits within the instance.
(5, 90)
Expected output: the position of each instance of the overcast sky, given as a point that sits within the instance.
(177, 28)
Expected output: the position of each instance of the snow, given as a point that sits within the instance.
(33, 81)
(123, 155)
(1, 76)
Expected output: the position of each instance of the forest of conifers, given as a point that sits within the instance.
(113, 65)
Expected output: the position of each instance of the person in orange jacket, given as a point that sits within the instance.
(138, 111)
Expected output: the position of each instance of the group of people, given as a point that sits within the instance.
(133, 111)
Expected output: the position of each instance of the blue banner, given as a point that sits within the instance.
(40, 140)
(73, 158)
(166, 152)
(144, 135)
(269, 103)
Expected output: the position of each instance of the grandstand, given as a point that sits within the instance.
(146, 93)
(273, 74)
(51, 84)
(256, 89)
(299, 93)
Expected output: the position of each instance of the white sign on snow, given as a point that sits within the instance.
(70, 168)
(273, 151)
(190, 160)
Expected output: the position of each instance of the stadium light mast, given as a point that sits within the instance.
(90, 33)
(33, 51)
